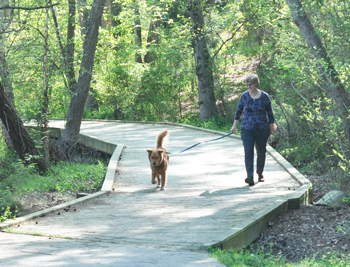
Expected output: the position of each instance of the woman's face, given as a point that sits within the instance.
(251, 86)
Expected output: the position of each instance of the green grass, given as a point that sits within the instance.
(67, 177)
(248, 257)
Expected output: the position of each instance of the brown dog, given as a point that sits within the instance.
(159, 161)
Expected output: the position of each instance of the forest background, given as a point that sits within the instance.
(185, 61)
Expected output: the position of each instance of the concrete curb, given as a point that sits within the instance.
(246, 234)
(112, 166)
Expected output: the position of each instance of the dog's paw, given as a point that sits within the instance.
(158, 186)
(162, 188)
(154, 182)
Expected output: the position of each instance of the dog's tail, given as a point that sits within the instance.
(160, 138)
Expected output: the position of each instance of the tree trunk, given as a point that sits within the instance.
(4, 73)
(70, 47)
(22, 142)
(335, 88)
(91, 102)
(45, 122)
(152, 40)
(116, 8)
(138, 40)
(75, 113)
(83, 17)
(68, 53)
(207, 102)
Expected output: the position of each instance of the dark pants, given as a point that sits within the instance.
(257, 138)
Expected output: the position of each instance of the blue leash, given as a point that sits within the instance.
(199, 144)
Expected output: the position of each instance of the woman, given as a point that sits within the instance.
(258, 123)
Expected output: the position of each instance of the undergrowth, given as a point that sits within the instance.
(249, 257)
(17, 181)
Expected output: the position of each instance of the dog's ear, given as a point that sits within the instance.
(160, 151)
(149, 151)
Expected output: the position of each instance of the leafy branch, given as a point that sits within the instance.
(27, 8)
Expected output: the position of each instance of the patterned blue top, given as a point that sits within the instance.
(258, 113)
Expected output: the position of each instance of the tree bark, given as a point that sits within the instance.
(70, 47)
(91, 102)
(75, 113)
(83, 17)
(137, 23)
(152, 40)
(4, 74)
(5, 20)
(68, 53)
(45, 122)
(22, 142)
(116, 8)
(203, 61)
(335, 88)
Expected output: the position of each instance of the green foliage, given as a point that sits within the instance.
(67, 177)
(218, 124)
(305, 153)
(249, 257)
(7, 214)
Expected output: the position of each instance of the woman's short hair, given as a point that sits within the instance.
(253, 78)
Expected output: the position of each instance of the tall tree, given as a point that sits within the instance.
(334, 87)
(91, 102)
(75, 113)
(45, 104)
(70, 46)
(203, 61)
(22, 142)
(5, 20)
(68, 52)
(152, 39)
(83, 17)
(138, 37)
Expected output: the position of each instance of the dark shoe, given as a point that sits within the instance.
(261, 179)
(249, 181)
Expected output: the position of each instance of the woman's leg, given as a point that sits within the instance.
(248, 143)
(261, 141)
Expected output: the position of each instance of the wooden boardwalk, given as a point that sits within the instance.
(206, 202)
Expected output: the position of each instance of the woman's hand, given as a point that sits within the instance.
(273, 128)
(234, 127)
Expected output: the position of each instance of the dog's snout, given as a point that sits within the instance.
(154, 163)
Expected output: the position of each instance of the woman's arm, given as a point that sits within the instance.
(239, 111)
